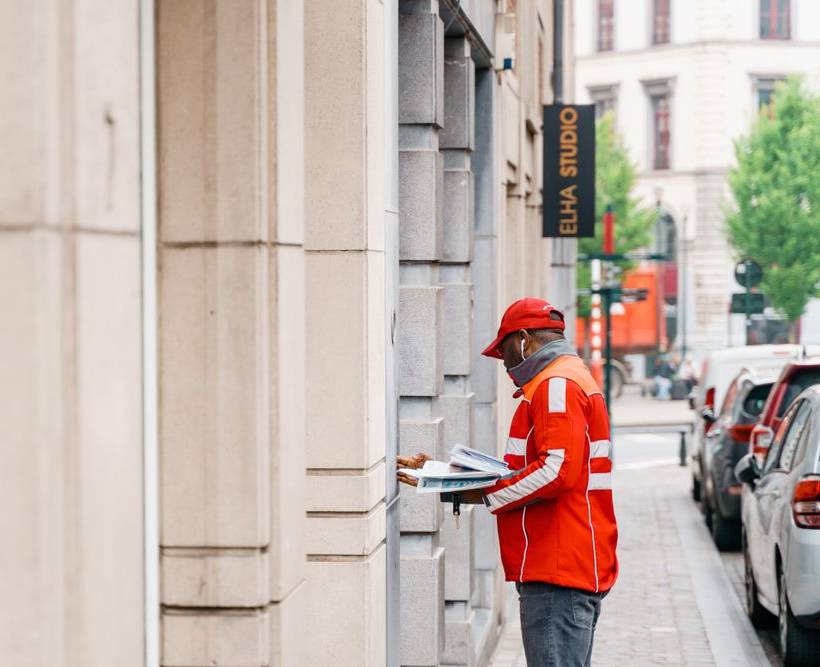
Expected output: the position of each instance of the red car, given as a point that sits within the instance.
(795, 377)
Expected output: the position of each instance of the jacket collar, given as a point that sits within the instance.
(535, 363)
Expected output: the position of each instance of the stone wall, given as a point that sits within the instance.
(232, 333)
(71, 570)
(346, 201)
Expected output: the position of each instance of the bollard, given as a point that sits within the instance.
(682, 452)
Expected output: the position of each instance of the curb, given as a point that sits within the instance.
(732, 638)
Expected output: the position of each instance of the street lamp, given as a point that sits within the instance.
(660, 250)
(684, 290)
(660, 246)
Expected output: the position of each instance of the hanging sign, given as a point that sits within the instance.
(569, 170)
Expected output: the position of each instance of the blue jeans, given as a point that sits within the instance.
(557, 624)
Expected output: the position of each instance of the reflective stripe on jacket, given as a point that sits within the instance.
(556, 521)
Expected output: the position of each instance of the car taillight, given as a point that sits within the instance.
(709, 402)
(760, 440)
(741, 432)
(806, 502)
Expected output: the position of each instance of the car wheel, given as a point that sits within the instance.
(758, 614)
(725, 532)
(798, 645)
(695, 489)
(706, 507)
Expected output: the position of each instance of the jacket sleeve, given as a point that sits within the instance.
(559, 411)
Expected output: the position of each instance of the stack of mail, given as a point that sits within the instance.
(467, 469)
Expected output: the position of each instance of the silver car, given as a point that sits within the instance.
(781, 532)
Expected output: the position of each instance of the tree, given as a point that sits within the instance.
(614, 179)
(776, 215)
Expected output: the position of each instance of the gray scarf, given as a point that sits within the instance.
(536, 362)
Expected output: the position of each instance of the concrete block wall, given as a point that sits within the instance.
(421, 317)
(455, 404)
(345, 310)
(71, 572)
(232, 332)
(442, 240)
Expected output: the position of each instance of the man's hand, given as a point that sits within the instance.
(413, 462)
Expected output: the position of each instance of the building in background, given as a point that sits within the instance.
(684, 79)
(250, 251)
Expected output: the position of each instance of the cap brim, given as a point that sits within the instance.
(494, 348)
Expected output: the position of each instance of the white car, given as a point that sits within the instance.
(781, 532)
(717, 373)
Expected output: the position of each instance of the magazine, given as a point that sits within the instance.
(468, 469)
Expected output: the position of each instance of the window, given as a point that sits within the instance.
(775, 19)
(750, 408)
(781, 455)
(661, 134)
(659, 92)
(728, 401)
(606, 25)
(773, 455)
(765, 87)
(787, 455)
(604, 98)
(660, 21)
(798, 383)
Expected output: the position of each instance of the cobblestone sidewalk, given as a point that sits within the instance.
(652, 616)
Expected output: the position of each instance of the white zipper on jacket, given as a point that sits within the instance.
(524, 514)
(589, 514)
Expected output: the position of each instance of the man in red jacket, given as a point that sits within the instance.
(556, 522)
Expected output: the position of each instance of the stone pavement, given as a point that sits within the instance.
(673, 604)
(633, 409)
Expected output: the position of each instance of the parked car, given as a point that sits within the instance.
(716, 373)
(795, 377)
(781, 531)
(725, 443)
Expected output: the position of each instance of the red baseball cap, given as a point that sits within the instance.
(529, 313)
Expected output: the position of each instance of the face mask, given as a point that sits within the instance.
(519, 371)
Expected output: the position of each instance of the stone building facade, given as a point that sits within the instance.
(251, 251)
(714, 64)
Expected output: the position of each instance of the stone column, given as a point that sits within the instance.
(455, 404)
(421, 317)
(71, 571)
(232, 335)
(484, 371)
(345, 326)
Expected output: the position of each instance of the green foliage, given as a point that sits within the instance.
(776, 189)
(614, 179)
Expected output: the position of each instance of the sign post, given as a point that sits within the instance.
(569, 171)
(748, 274)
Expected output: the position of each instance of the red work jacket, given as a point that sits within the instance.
(556, 521)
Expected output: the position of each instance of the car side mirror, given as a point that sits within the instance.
(708, 415)
(747, 470)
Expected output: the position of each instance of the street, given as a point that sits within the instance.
(677, 601)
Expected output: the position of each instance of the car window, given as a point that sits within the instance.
(797, 383)
(747, 410)
(789, 448)
(773, 455)
(802, 444)
(729, 401)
